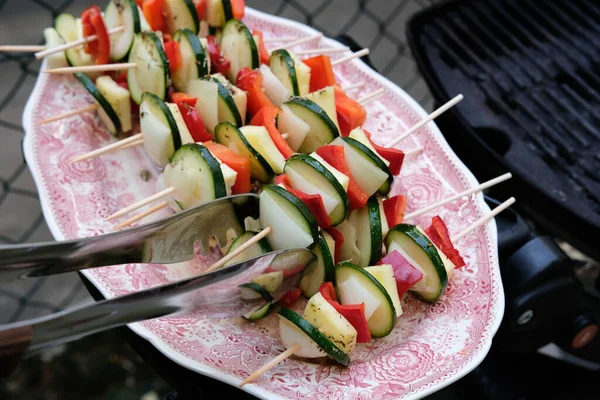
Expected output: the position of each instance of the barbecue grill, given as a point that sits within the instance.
(530, 72)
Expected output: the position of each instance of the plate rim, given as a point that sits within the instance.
(172, 354)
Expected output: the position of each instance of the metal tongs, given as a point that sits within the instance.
(170, 240)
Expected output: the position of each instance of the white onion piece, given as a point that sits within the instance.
(274, 89)
(291, 335)
(352, 292)
(296, 128)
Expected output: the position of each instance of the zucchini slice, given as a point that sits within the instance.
(341, 178)
(53, 39)
(261, 141)
(375, 160)
(270, 280)
(181, 14)
(195, 61)
(283, 67)
(308, 336)
(238, 46)
(159, 129)
(418, 250)
(296, 128)
(324, 271)
(330, 322)
(360, 135)
(356, 285)
(255, 250)
(68, 28)
(311, 177)
(274, 89)
(196, 176)
(240, 98)
(325, 98)
(106, 112)
(322, 129)
(258, 312)
(218, 12)
(226, 108)
(369, 238)
(152, 71)
(229, 135)
(253, 291)
(348, 250)
(207, 93)
(367, 172)
(122, 13)
(118, 97)
(292, 224)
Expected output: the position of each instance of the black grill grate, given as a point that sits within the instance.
(530, 71)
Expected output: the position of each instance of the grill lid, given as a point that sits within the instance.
(530, 72)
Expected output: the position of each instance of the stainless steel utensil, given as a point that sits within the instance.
(169, 240)
(210, 295)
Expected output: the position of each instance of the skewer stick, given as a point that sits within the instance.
(352, 56)
(429, 118)
(255, 239)
(271, 364)
(371, 96)
(106, 149)
(280, 39)
(91, 68)
(133, 144)
(484, 220)
(331, 50)
(476, 189)
(141, 203)
(136, 218)
(91, 107)
(21, 48)
(45, 53)
(302, 41)
(416, 150)
(353, 86)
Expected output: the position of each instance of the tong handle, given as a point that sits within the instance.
(13, 346)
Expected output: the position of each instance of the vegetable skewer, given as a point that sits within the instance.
(296, 347)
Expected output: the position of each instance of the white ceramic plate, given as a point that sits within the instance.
(432, 345)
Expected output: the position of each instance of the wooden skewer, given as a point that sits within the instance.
(353, 86)
(371, 96)
(91, 107)
(429, 118)
(450, 199)
(352, 56)
(484, 220)
(414, 151)
(45, 53)
(302, 41)
(106, 149)
(332, 50)
(141, 203)
(133, 144)
(91, 68)
(289, 352)
(144, 214)
(255, 239)
(280, 39)
(21, 48)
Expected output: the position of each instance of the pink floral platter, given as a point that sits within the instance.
(431, 346)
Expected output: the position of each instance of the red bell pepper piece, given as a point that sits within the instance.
(338, 238)
(354, 313)
(394, 156)
(282, 179)
(236, 162)
(153, 12)
(334, 155)
(238, 8)
(218, 63)
(173, 53)
(266, 117)
(93, 24)
(251, 82)
(321, 72)
(394, 209)
(314, 202)
(263, 53)
(351, 114)
(290, 298)
(406, 275)
(194, 122)
(200, 8)
(438, 234)
(180, 97)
